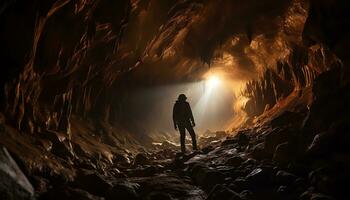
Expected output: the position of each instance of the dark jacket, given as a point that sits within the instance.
(182, 113)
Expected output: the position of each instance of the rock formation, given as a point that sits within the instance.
(68, 69)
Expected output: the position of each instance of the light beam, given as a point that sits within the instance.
(212, 82)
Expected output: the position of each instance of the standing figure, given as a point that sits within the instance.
(183, 119)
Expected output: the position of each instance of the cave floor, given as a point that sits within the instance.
(225, 168)
(254, 163)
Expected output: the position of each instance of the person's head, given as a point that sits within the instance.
(182, 97)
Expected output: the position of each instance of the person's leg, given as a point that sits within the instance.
(193, 136)
(182, 138)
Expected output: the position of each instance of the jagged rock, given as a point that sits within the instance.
(13, 183)
(117, 174)
(250, 161)
(243, 139)
(169, 145)
(229, 141)
(285, 178)
(121, 159)
(178, 187)
(46, 144)
(260, 177)
(234, 161)
(220, 192)
(258, 151)
(205, 177)
(123, 190)
(320, 143)
(283, 154)
(318, 196)
(141, 159)
(282, 190)
(246, 195)
(92, 182)
(61, 146)
(207, 149)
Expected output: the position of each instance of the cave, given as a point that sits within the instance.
(90, 92)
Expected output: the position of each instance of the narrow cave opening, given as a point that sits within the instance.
(190, 99)
(150, 108)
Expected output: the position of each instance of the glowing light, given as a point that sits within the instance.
(213, 81)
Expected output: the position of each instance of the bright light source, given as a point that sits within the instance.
(213, 81)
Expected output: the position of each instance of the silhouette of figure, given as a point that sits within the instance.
(183, 119)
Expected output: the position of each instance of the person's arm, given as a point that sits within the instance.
(175, 116)
(191, 115)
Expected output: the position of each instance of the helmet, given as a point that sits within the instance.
(182, 97)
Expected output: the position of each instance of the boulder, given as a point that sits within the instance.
(92, 182)
(13, 183)
(234, 161)
(258, 152)
(123, 190)
(121, 159)
(243, 139)
(61, 145)
(285, 178)
(283, 154)
(207, 149)
(260, 177)
(229, 141)
(320, 144)
(141, 159)
(205, 177)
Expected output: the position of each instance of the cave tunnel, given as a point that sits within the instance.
(95, 95)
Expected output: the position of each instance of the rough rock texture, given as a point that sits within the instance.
(14, 184)
(68, 67)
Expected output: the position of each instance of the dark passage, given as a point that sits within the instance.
(90, 104)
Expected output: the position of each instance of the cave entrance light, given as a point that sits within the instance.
(213, 81)
(213, 108)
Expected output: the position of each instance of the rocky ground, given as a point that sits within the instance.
(263, 162)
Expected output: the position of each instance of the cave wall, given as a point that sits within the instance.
(81, 57)
(58, 56)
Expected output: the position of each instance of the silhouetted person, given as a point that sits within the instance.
(183, 119)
